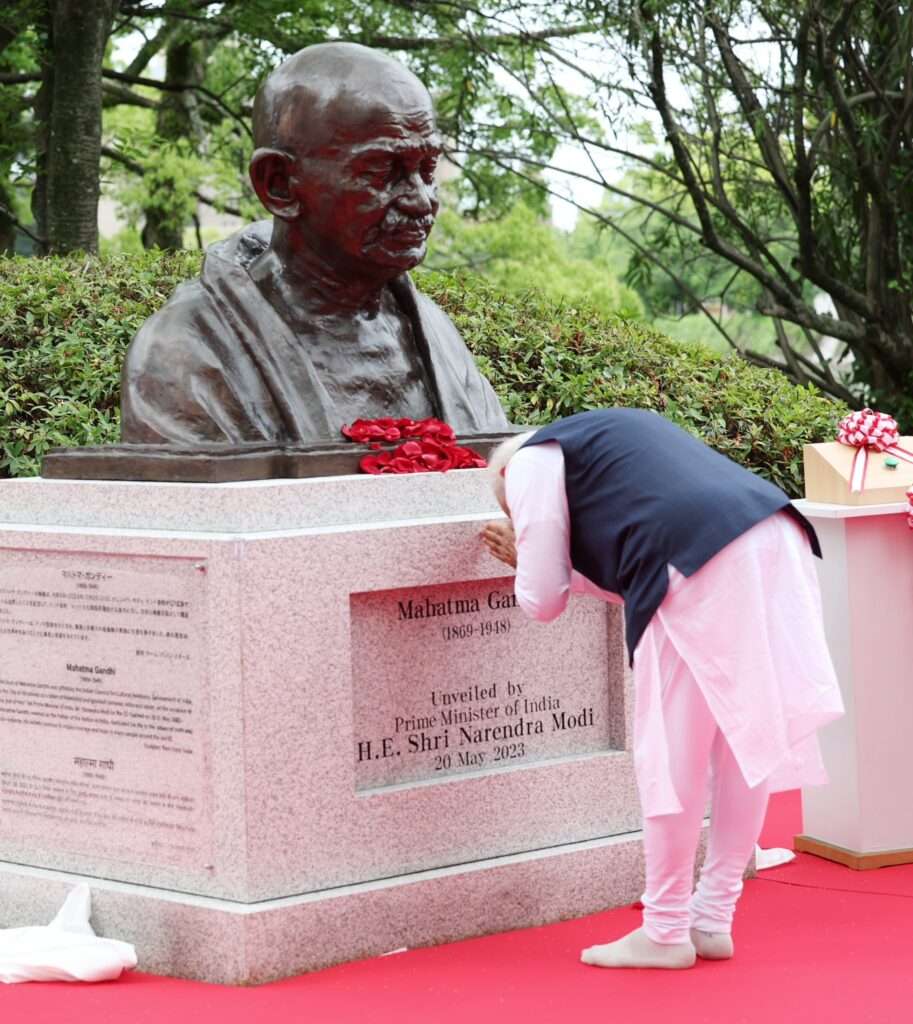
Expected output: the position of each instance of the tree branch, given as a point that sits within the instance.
(820, 322)
(833, 388)
(500, 156)
(470, 39)
(788, 292)
(137, 168)
(115, 95)
(783, 344)
(154, 83)
(867, 172)
(464, 39)
(7, 35)
(11, 217)
(20, 78)
(148, 50)
(679, 282)
(753, 111)
(164, 12)
(123, 160)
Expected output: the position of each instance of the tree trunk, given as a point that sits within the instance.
(7, 224)
(7, 35)
(7, 227)
(80, 33)
(177, 119)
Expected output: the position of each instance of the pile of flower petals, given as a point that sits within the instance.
(431, 446)
(389, 429)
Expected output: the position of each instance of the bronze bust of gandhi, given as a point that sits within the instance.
(299, 326)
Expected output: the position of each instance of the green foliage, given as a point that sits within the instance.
(168, 187)
(548, 360)
(65, 322)
(161, 171)
(18, 55)
(521, 253)
(750, 331)
(702, 274)
(785, 172)
(765, 150)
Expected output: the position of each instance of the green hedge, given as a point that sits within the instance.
(64, 324)
(548, 361)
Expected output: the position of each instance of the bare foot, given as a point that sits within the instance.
(712, 945)
(638, 950)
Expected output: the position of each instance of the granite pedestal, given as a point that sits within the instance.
(289, 723)
(864, 817)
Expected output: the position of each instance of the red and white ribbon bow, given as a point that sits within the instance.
(869, 429)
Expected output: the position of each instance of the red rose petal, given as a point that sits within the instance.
(431, 447)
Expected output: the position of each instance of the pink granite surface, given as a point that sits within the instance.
(231, 943)
(276, 681)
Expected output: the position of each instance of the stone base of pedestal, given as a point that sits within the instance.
(222, 941)
(853, 858)
(279, 725)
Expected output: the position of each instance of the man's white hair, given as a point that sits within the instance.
(497, 463)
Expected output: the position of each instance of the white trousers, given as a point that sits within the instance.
(698, 755)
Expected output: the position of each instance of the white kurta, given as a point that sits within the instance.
(748, 625)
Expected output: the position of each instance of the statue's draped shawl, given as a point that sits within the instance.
(218, 364)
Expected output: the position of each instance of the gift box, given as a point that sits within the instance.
(829, 474)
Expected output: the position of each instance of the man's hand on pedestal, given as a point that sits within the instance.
(498, 536)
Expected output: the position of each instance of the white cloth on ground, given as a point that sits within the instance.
(748, 625)
(772, 857)
(65, 950)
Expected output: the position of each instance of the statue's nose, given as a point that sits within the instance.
(418, 198)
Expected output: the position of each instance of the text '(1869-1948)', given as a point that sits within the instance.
(454, 678)
(103, 706)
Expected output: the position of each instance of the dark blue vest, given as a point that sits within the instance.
(643, 494)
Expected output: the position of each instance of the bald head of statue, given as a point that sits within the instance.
(346, 153)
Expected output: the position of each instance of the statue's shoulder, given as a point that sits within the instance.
(433, 319)
(184, 330)
(459, 380)
(241, 248)
(167, 331)
(443, 335)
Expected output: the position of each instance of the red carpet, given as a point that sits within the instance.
(815, 942)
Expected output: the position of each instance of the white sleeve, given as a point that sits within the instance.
(537, 502)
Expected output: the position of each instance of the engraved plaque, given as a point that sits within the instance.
(103, 706)
(455, 678)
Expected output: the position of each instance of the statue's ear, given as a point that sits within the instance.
(271, 171)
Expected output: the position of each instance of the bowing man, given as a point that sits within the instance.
(732, 676)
